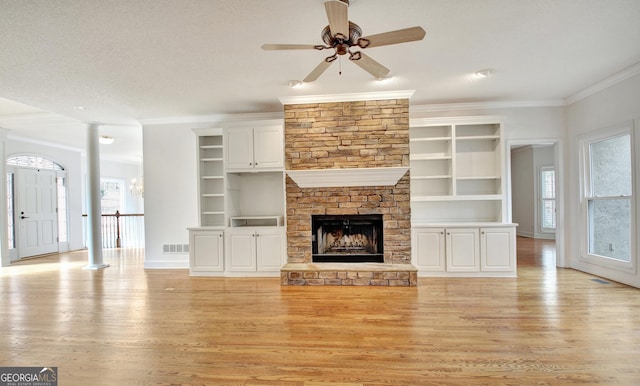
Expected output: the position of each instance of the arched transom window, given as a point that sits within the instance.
(33, 161)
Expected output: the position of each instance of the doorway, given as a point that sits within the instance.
(34, 206)
(535, 199)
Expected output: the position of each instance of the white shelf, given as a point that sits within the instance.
(435, 177)
(477, 137)
(427, 157)
(430, 139)
(478, 178)
(211, 159)
(251, 221)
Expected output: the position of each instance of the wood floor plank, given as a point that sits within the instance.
(130, 326)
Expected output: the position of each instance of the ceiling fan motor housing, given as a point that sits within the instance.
(339, 42)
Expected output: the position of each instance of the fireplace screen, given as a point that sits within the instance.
(347, 238)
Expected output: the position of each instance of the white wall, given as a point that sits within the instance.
(614, 105)
(71, 161)
(170, 177)
(523, 190)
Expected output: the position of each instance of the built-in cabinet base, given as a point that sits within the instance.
(460, 250)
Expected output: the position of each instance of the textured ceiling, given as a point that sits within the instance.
(127, 61)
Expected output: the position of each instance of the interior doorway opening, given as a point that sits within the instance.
(535, 200)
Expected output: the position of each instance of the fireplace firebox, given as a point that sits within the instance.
(347, 239)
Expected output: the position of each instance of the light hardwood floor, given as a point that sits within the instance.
(128, 326)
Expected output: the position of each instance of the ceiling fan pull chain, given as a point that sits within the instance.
(339, 65)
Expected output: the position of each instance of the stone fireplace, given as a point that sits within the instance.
(348, 159)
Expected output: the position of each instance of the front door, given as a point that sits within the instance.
(36, 213)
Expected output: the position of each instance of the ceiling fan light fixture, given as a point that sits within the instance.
(295, 83)
(384, 78)
(484, 73)
(106, 140)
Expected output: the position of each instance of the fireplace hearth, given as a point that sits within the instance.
(347, 239)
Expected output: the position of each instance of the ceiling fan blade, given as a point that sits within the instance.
(371, 66)
(338, 17)
(313, 75)
(395, 37)
(288, 47)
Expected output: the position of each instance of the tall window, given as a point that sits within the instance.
(10, 210)
(112, 192)
(547, 199)
(62, 210)
(608, 194)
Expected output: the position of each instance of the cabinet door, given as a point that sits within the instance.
(239, 148)
(269, 249)
(206, 252)
(268, 151)
(242, 250)
(462, 250)
(428, 249)
(497, 249)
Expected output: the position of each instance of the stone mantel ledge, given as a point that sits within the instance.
(342, 177)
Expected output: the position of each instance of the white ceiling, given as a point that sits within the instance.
(132, 60)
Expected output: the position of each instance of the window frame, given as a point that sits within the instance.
(542, 199)
(586, 196)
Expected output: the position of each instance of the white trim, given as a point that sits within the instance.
(214, 118)
(558, 159)
(420, 122)
(485, 105)
(598, 264)
(604, 84)
(329, 98)
(44, 143)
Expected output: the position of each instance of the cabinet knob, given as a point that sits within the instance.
(441, 233)
(250, 163)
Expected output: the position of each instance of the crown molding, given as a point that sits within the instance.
(604, 84)
(353, 97)
(47, 143)
(484, 105)
(213, 118)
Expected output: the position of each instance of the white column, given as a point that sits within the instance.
(4, 223)
(94, 235)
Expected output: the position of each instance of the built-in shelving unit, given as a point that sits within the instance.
(456, 171)
(211, 180)
(457, 199)
(241, 202)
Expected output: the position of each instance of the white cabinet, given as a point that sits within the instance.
(428, 248)
(254, 148)
(464, 250)
(206, 255)
(255, 249)
(498, 249)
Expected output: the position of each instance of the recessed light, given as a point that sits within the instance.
(106, 140)
(384, 78)
(295, 83)
(484, 73)
(79, 108)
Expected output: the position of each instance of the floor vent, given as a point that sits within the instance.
(175, 248)
(600, 281)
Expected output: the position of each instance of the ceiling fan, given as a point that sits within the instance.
(342, 35)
